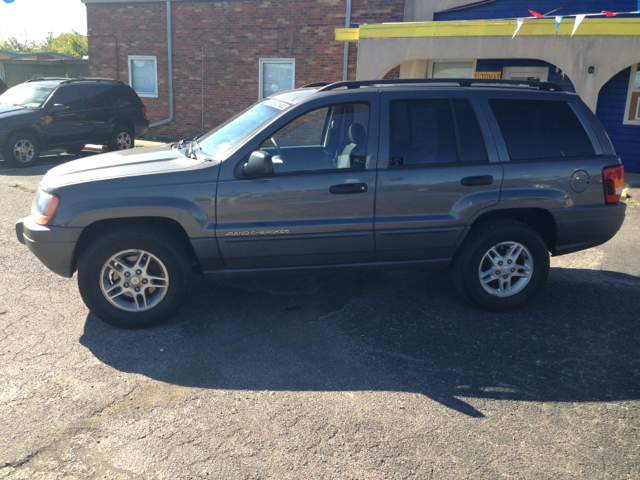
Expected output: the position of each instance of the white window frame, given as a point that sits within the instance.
(264, 61)
(543, 71)
(155, 64)
(473, 61)
(630, 91)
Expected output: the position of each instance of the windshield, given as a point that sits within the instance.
(221, 140)
(26, 95)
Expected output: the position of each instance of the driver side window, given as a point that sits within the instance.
(326, 138)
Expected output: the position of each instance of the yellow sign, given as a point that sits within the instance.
(488, 75)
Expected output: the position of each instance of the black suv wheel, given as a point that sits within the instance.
(121, 139)
(502, 265)
(21, 150)
(135, 277)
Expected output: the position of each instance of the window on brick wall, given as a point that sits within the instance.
(143, 75)
(632, 111)
(276, 75)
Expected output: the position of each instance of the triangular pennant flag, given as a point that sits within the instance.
(579, 19)
(535, 14)
(558, 20)
(519, 23)
(608, 14)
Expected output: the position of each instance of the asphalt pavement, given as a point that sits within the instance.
(385, 375)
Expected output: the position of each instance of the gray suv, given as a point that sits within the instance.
(481, 178)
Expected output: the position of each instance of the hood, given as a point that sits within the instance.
(127, 163)
(6, 110)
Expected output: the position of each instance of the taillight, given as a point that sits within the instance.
(144, 112)
(613, 181)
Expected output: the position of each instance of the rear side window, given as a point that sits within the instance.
(535, 129)
(434, 131)
(122, 96)
(92, 97)
(422, 132)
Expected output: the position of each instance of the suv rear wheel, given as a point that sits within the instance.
(134, 278)
(502, 265)
(121, 139)
(21, 150)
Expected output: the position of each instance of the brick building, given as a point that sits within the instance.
(225, 55)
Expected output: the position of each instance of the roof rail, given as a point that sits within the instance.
(462, 82)
(42, 79)
(96, 79)
(317, 84)
(70, 80)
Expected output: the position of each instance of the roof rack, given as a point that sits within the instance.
(96, 79)
(70, 80)
(462, 82)
(43, 79)
(317, 84)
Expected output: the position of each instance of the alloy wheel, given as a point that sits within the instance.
(505, 269)
(24, 151)
(123, 140)
(134, 280)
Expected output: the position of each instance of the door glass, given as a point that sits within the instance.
(69, 97)
(471, 141)
(453, 70)
(422, 132)
(322, 139)
(92, 97)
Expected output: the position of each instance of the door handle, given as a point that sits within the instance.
(475, 181)
(347, 188)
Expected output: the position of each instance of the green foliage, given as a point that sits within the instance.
(74, 44)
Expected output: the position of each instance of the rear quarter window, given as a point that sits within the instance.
(539, 129)
(122, 96)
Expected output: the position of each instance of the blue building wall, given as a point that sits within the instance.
(610, 110)
(519, 8)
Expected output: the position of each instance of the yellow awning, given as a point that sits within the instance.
(491, 28)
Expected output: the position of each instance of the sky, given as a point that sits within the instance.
(34, 18)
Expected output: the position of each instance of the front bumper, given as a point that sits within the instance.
(53, 246)
(579, 228)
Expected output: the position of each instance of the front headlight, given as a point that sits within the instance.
(44, 206)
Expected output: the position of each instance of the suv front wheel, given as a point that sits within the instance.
(21, 150)
(134, 278)
(502, 265)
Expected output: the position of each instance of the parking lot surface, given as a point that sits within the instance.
(385, 375)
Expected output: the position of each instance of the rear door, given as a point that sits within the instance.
(97, 115)
(438, 167)
(317, 207)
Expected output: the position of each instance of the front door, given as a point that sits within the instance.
(66, 127)
(317, 206)
(438, 167)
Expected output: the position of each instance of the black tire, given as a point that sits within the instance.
(75, 150)
(121, 139)
(25, 142)
(158, 244)
(500, 234)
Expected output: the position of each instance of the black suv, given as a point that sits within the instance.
(480, 180)
(68, 113)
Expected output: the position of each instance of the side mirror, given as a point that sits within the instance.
(258, 165)
(57, 108)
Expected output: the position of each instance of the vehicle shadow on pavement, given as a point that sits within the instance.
(393, 331)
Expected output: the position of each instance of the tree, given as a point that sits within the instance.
(74, 44)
